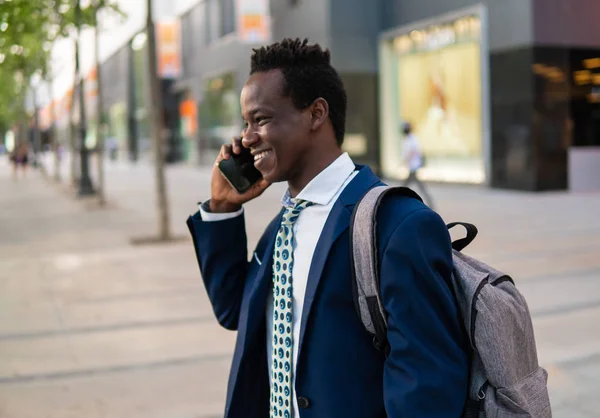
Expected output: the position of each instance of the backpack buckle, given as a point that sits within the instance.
(481, 393)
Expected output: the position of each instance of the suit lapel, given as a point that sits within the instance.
(337, 222)
(254, 313)
(260, 287)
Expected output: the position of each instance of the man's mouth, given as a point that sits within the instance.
(261, 155)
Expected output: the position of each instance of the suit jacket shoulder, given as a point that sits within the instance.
(396, 210)
(415, 260)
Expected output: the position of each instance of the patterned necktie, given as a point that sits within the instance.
(281, 368)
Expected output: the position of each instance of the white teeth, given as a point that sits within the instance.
(262, 155)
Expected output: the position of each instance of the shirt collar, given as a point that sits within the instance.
(326, 184)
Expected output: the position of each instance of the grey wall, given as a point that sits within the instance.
(567, 22)
(114, 75)
(307, 19)
(354, 30)
(191, 29)
(510, 24)
(220, 56)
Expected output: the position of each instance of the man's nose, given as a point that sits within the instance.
(249, 138)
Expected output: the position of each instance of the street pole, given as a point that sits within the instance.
(156, 118)
(85, 182)
(99, 109)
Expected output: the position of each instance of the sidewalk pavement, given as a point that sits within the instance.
(92, 327)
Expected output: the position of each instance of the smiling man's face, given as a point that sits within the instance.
(278, 133)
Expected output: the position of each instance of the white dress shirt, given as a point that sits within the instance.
(323, 191)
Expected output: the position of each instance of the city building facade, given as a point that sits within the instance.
(505, 94)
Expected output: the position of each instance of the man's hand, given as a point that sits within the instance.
(225, 198)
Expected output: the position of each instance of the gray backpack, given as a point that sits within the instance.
(505, 379)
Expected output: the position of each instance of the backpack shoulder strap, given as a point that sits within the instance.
(461, 244)
(365, 261)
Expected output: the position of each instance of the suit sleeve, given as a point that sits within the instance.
(426, 372)
(221, 250)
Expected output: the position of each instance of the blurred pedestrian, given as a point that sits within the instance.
(414, 161)
(20, 159)
(301, 345)
(112, 146)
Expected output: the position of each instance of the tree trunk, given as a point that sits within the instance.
(99, 112)
(85, 183)
(156, 118)
(72, 148)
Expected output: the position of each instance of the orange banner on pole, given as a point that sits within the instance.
(253, 21)
(168, 43)
(91, 83)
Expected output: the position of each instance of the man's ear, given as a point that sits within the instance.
(319, 113)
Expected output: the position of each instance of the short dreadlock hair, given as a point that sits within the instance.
(308, 75)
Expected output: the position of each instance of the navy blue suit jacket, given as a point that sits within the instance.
(340, 374)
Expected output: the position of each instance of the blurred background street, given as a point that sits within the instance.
(503, 98)
(91, 326)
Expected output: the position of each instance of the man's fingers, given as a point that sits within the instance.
(236, 144)
(260, 187)
(256, 190)
(225, 152)
(262, 183)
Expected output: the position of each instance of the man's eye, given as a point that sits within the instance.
(262, 121)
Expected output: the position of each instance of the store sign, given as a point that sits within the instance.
(168, 41)
(253, 21)
(439, 36)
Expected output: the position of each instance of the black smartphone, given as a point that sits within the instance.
(239, 171)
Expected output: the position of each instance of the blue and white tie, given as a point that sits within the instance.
(281, 368)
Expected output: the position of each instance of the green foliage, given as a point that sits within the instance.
(28, 29)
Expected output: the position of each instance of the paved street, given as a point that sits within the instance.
(93, 327)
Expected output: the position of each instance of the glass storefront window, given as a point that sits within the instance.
(219, 111)
(116, 138)
(220, 19)
(585, 97)
(432, 79)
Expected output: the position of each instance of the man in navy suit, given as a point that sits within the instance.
(301, 349)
